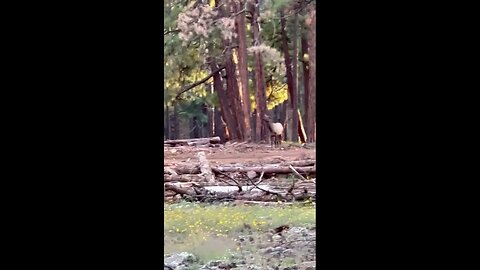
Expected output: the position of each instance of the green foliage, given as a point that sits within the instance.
(186, 51)
(188, 110)
(275, 5)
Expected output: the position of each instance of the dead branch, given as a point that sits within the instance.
(264, 190)
(296, 173)
(231, 178)
(258, 182)
(260, 178)
(171, 31)
(193, 85)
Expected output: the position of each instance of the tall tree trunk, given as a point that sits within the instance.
(211, 121)
(294, 96)
(205, 130)
(225, 102)
(260, 96)
(167, 121)
(244, 114)
(283, 118)
(175, 124)
(192, 127)
(291, 134)
(219, 130)
(306, 88)
(311, 22)
(227, 109)
(233, 97)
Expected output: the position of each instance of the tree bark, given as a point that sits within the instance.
(211, 122)
(306, 88)
(244, 95)
(194, 128)
(312, 53)
(282, 117)
(227, 94)
(291, 133)
(233, 98)
(294, 96)
(175, 132)
(167, 121)
(219, 131)
(225, 105)
(261, 128)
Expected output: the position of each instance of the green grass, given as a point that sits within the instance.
(210, 231)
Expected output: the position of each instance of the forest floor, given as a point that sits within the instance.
(240, 172)
(240, 153)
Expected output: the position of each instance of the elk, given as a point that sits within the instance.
(276, 131)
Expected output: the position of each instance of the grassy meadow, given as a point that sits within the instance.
(210, 231)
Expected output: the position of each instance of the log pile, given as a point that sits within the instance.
(206, 173)
(195, 180)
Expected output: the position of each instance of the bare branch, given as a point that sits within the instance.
(296, 173)
(231, 178)
(264, 190)
(260, 179)
(198, 83)
(171, 32)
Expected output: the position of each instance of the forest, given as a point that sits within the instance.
(227, 63)
(239, 147)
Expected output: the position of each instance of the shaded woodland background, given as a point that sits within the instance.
(228, 62)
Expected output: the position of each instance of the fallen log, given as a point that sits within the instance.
(265, 169)
(199, 143)
(205, 167)
(186, 169)
(178, 190)
(186, 184)
(195, 168)
(300, 163)
(184, 178)
(169, 171)
(196, 140)
(169, 193)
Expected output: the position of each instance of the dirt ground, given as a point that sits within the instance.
(239, 153)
